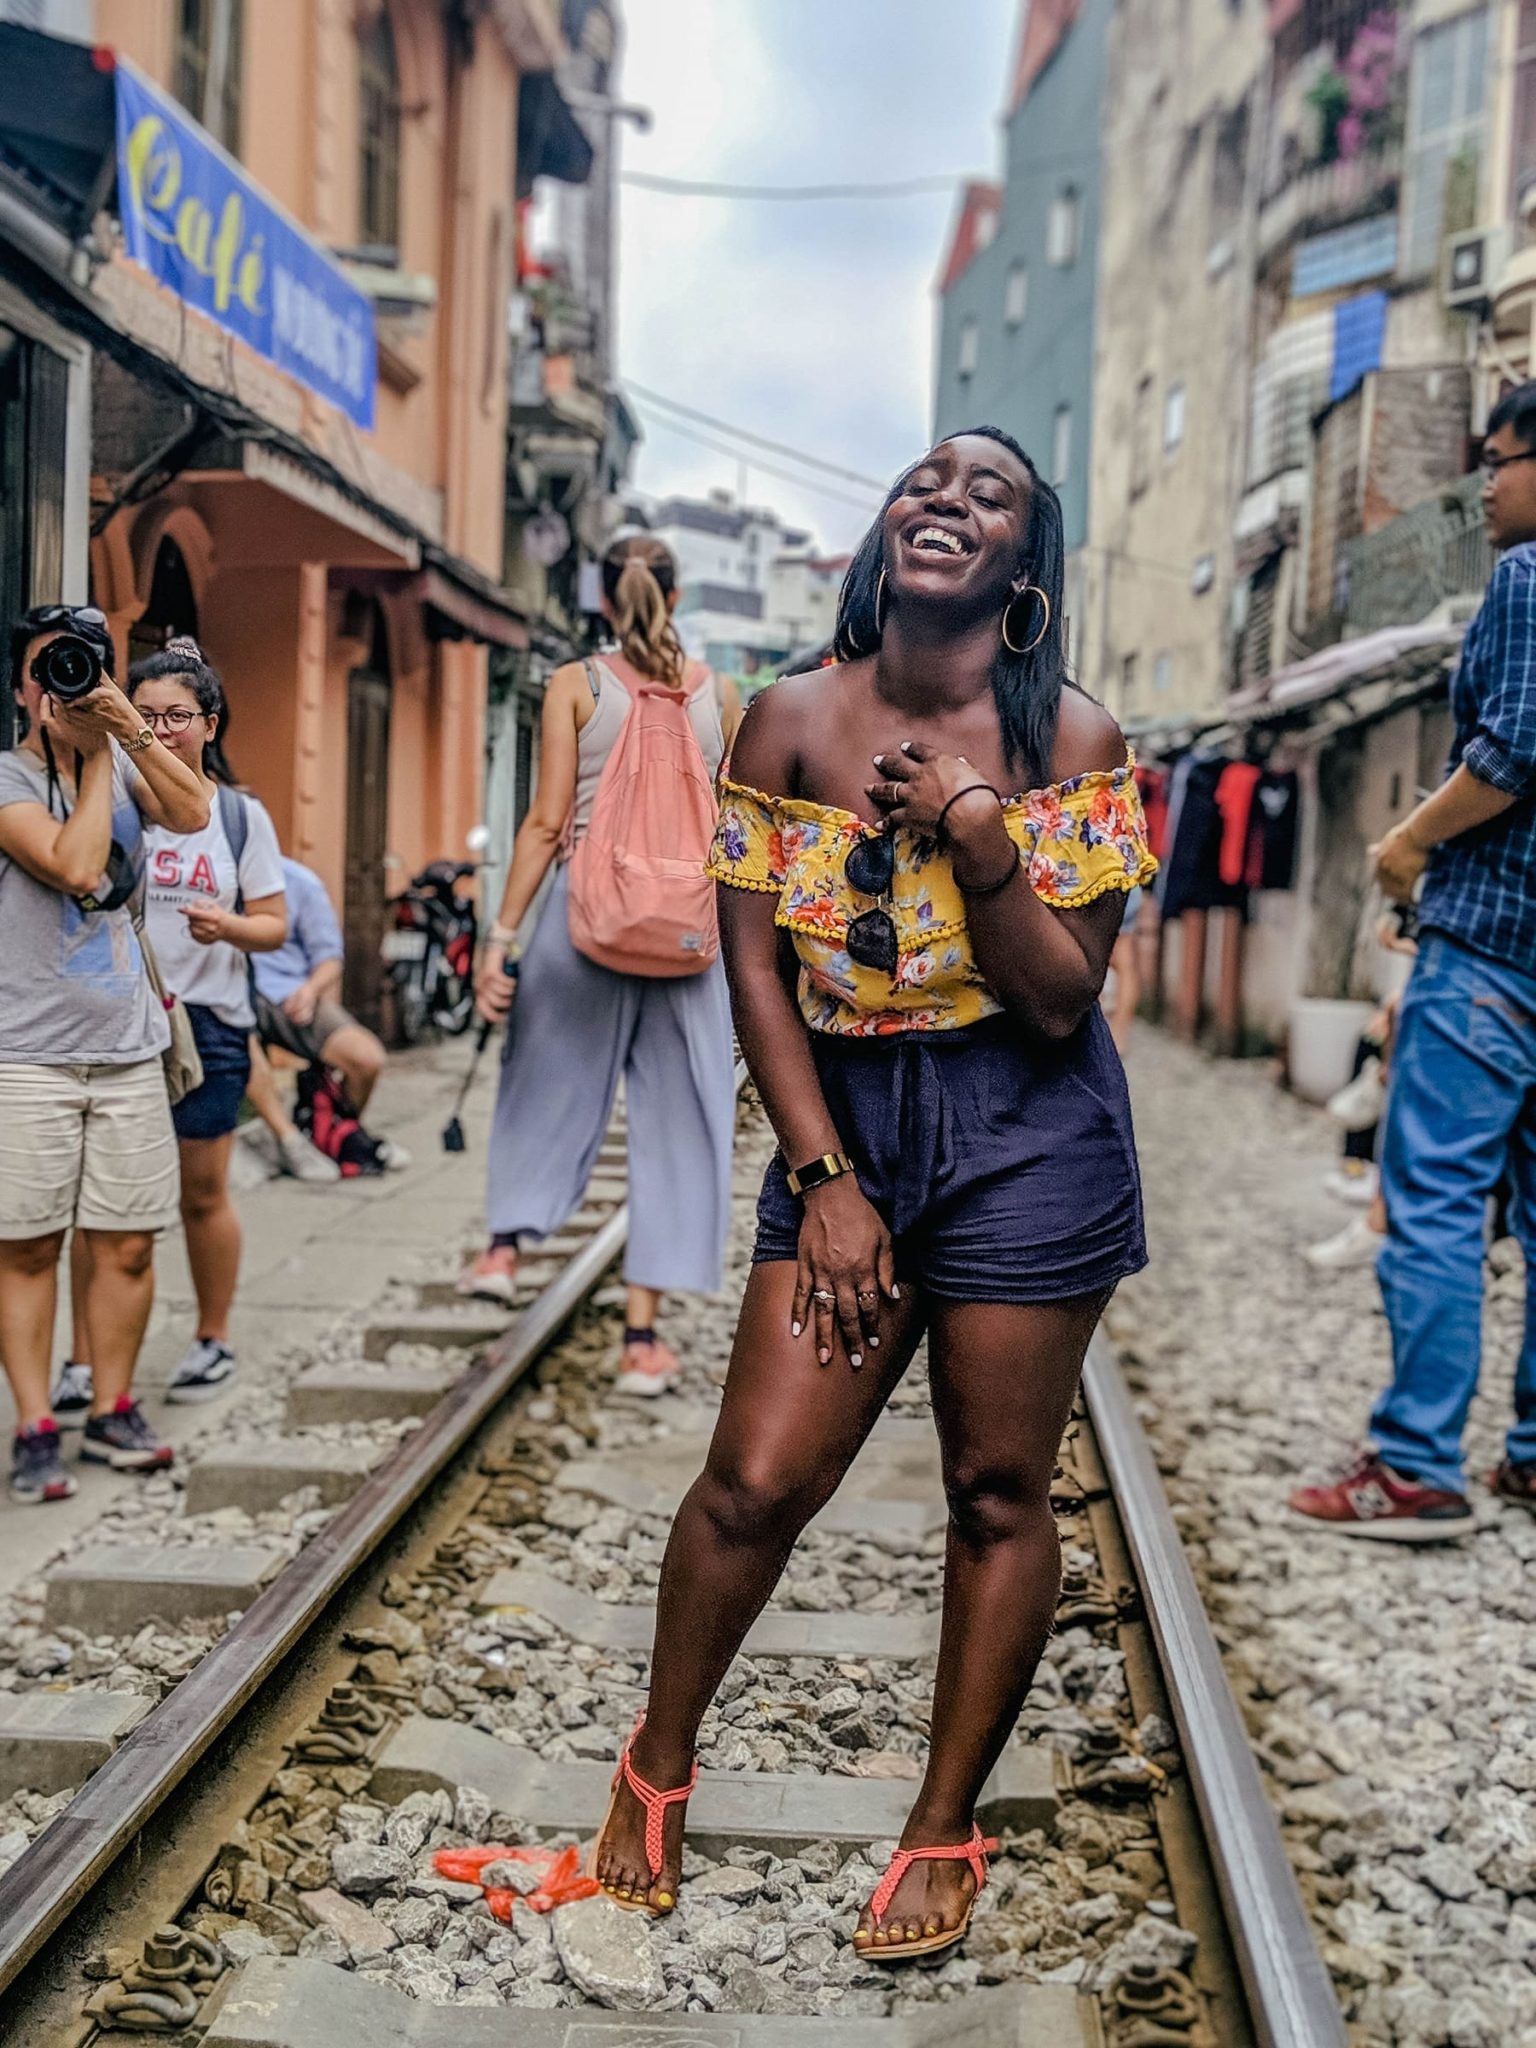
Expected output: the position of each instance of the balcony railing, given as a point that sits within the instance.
(1434, 555)
(1328, 196)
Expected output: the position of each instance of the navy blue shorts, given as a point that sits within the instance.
(213, 1110)
(1005, 1168)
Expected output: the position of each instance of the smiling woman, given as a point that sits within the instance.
(926, 851)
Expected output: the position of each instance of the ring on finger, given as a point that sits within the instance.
(868, 1294)
(823, 1294)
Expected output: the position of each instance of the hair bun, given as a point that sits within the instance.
(183, 643)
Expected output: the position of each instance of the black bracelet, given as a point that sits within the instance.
(992, 888)
(969, 790)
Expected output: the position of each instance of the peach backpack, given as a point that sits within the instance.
(640, 901)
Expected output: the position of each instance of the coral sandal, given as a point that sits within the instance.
(975, 1852)
(655, 1804)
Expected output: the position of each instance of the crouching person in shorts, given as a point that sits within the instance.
(85, 1123)
(299, 1011)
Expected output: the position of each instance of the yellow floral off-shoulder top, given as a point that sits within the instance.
(1078, 839)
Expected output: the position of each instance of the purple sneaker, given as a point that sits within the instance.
(125, 1441)
(36, 1473)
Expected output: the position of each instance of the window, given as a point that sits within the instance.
(206, 74)
(1162, 675)
(986, 227)
(1016, 295)
(1522, 155)
(969, 347)
(1141, 437)
(1127, 681)
(1173, 417)
(1063, 227)
(379, 134)
(1447, 112)
(1061, 445)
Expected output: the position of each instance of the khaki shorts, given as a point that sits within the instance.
(305, 1041)
(91, 1146)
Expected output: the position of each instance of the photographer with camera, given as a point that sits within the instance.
(85, 1122)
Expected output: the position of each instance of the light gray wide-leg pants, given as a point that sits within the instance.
(575, 1029)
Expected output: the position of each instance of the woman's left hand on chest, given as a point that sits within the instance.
(919, 786)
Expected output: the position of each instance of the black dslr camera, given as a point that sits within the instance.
(72, 663)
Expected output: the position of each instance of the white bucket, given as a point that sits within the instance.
(1324, 1035)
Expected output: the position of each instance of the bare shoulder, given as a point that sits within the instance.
(1087, 738)
(771, 740)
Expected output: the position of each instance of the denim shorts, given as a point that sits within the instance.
(213, 1110)
(1004, 1167)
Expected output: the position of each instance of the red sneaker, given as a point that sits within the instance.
(1373, 1500)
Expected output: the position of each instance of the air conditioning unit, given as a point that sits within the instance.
(1472, 262)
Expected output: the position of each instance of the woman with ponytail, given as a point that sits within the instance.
(925, 851)
(577, 1025)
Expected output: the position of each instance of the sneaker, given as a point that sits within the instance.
(1509, 1481)
(392, 1157)
(36, 1473)
(1362, 1102)
(206, 1369)
(303, 1161)
(73, 1392)
(647, 1368)
(1355, 1245)
(1373, 1500)
(490, 1276)
(125, 1441)
(1354, 1180)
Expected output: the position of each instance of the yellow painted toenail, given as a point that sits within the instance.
(665, 1899)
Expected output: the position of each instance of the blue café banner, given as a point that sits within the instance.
(195, 221)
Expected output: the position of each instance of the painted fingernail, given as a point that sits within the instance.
(825, 1357)
(874, 1343)
(895, 1292)
(795, 1329)
(906, 746)
(855, 1359)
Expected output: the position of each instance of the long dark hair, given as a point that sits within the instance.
(183, 661)
(1027, 687)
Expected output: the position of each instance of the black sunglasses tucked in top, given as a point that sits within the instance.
(870, 869)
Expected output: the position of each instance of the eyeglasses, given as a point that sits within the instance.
(1492, 464)
(870, 869)
(176, 719)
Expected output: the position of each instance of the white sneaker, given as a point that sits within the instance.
(1361, 1102)
(73, 1392)
(1355, 1181)
(1355, 1245)
(204, 1372)
(304, 1161)
(392, 1157)
(490, 1276)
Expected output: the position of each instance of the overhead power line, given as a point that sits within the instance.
(705, 188)
(688, 412)
(806, 483)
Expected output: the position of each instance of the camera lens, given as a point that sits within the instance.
(68, 668)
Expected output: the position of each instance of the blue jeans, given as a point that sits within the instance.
(1461, 1105)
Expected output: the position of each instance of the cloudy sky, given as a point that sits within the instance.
(810, 322)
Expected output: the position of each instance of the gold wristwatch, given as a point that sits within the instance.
(830, 1166)
(143, 738)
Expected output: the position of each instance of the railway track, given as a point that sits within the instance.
(462, 1643)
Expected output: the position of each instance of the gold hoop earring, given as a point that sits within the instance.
(879, 593)
(1045, 624)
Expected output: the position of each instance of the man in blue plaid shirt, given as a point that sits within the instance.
(1462, 1102)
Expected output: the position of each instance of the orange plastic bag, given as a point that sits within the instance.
(560, 1876)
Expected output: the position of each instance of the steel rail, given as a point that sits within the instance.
(1290, 1996)
(99, 1826)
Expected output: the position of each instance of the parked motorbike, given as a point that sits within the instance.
(429, 952)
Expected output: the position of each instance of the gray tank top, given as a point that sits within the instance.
(600, 735)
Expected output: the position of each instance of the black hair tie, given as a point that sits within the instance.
(969, 790)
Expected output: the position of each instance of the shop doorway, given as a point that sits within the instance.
(363, 913)
(172, 606)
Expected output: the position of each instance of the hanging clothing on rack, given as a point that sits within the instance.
(1272, 835)
(1234, 800)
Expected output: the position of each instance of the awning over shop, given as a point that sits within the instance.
(1412, 650)
(56, 125)
(469, 608)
